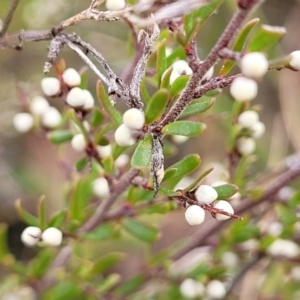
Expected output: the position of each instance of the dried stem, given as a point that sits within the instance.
(9, 17)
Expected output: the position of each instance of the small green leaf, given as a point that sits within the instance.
(64, 290)
(108, 164)
(58, 219)
(42, 212)
(238, 45)
(141, 231)
(176, 54)
(96, 118)
(186, 128)
(286, 214)
(200, 15)
(81, 164)
(84, 78)
(226, 190)
(109, 282)
(130, 285)
(179, 84)
(106, 104)
(25, 215)
(142, 154)
(198, 180)
(197, 108)
(103, 232)
(60, 136)
(169, 174)
(3, 241)
(156, 106)
(185, 166)
(40, 264)
(266, 38)
(158, 208)
(165, 80)
(144, 91)
(161, 63)
(243, 231)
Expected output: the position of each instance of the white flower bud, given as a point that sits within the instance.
(38, 105)
(230, 259)
(50, 86)
(245, 145)
(174, 75)
(52, 237)
(194, 215)
(51, 118)
(23, 122)
(115, 4)
(179, 139)
(104, 151)
(215, 289)
(31, 236)
(101, 187)
(206, 194)
(243, 89)
(182, 67)
(254, 65)
(78, 142)
(133, 118)
(275, 229)
(123, 136)
(169, 51)
(122, 161)
(295, 60)
(286, 248)
(209, 74)
(258, 129)
(76, 97)
(226, 207)
(191, 288)
(71, 77)
(248, 118)
(89, 100)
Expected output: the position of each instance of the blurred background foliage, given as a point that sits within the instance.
(30, 166)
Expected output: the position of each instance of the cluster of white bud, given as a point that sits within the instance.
(23, 122)
(206, 194)
(133, 119)
(286, 248)
(215, 289)
(295, 60)
(101, 187)
(249, 120)
(51, 118)
(78, 142)
(71, 77)
(79, 98)
(50, 86)
(243, 89)
(104, 151)
(122, 161)
(115, 4)
(224, 206)
(38, 105)
(191, 288)
(195, 215)
(32, 235)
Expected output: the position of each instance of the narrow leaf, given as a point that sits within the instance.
(266, 38)
(144, 91)
(106, 262)
(197, 108)
(81, 163)
(103, 232)
(3, 241)
(186, 128)
(161, 63)
(60, 136)
(42, 212)
(106, 104)
(58, 220)
(96, 118)
(142, 154)
(108, 164)
(25, 215)
(141, 231)
(156, 106)
(179, 84)
(226, 190)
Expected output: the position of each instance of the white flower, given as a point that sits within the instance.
(191, 288)
(295, 60)
(122, 161)
(281, 247)
(89, 100)
(194, 215)
(133, 118)
(206, 194)
(243, 89)
(254, 65)
(38, 105)
(23, 122)
(258, 129)
(248, 118)
(215, 289)
(115, 4)
(123, 136)
(182, 67)
(101, 187)
(31, 236)
(52, 237)
(71, 77)
(104, 151)
(76, 97)
(209, 74)
(50, 86)
(245, 145)
(179, 139)
(51, 118)
(78, 142)
(226, 207)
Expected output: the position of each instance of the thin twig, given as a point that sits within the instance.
(9, 17)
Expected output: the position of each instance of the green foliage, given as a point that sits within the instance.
(185, 128)
(142, 154)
